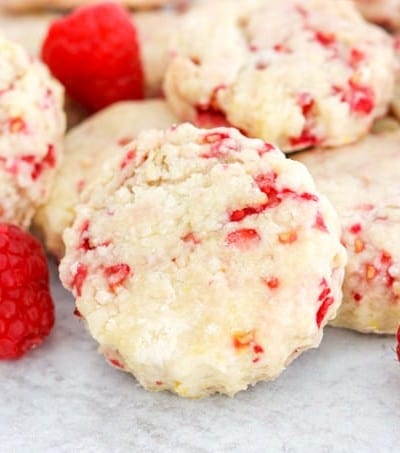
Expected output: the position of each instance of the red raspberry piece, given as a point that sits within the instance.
(129, 156)
(356, 57)
(306, 102)
(117, 274)
(325, 38)
(243, 238)
(320, 223)
(79, 278)
(360, 98)
(271, 282)
(305, 140)
(209, 118)
(281, 48)
(95, 53)
(355, 228)
(26, 307)
(327, 300)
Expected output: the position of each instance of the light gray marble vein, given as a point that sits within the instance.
(63, 397)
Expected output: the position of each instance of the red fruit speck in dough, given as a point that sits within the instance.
(79, 278)
(191, 237)
(282, 48)
(129, 156)
(267, 184)
(320, 223)
(84, 241)
(356, 57)
(271, 282)
(325, 38)
(243, 238)
(386, 262)
(77, 313)
(326, 299)
(26, 306)
(95, 53)
(116, 363)
(304, 140)
(209, 118)
(361, 98)
(355, 228)
(117, 274)
(305, 102)
(265, 148)
(215, 137)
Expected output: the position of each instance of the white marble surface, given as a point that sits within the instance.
(63, 397)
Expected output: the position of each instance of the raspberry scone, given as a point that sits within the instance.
(26, 5)
(297, 72)
(87, 147)
(382, 12)
(204, 261)
(32, 129)
(362, 182)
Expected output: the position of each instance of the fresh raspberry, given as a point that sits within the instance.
(26, 307)
(95, 53)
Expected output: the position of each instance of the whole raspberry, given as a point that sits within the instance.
(26, 307)
(95, 53)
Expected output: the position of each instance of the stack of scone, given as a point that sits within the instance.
(203, 259)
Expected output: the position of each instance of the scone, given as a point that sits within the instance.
(204, 261)
(382, 12)
(87, 147)
(26, 5)
(362, 182)
(298, 73)
(32, 130)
